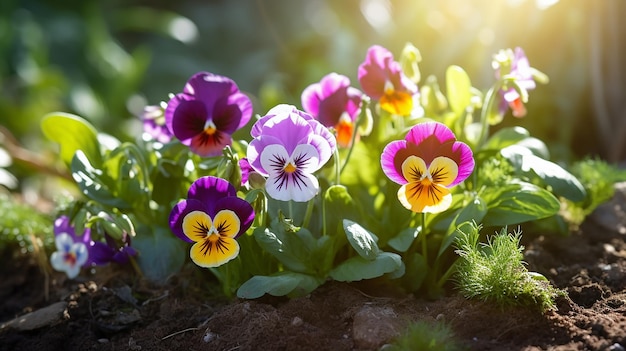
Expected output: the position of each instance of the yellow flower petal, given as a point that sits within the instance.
(227, 223)
(214, 251)
(425, 196)
(443, 171)
(197, 225)
(414, 169)
(397, 103)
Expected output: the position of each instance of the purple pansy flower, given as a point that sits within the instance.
(427, 163)
(289, 145)
(382, 79)
(72, 251)
(154, 124)
(335, 104)
(514, 64)
(208, 111)
(212, 216)
(102, 253)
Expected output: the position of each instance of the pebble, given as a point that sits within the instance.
(40, 318)
(374, 326)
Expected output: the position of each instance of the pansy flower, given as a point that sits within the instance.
(289, 145)
(513, 64)
(212, 217)
(72, 251)
(427, 163)
(382, 79)
(208, 111)
(101, 253)
(153, 120)
(335, 104)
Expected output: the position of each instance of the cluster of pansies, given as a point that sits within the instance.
(290, 147)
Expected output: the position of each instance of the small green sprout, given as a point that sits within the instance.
(421, 335)
(494, 272)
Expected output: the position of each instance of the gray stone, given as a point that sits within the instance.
(40, 318)
(375, 326)
(612, 214)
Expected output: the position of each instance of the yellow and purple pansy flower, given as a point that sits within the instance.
(382, 79)
(212, 217)
(335, 104)
(427, 163)
(208, 111)
(289, 145)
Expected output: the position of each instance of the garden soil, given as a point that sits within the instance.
(110, 310)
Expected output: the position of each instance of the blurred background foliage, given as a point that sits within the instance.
(105, 60)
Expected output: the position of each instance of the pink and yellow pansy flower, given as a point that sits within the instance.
(382, 79)
(427, 163)
(212, 217)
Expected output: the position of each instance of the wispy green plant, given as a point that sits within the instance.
(425, 336)
(495, 272)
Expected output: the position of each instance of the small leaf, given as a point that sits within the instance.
(361, 240)
(474, 211)
(358, 268)
(72, 133)
(91, 183)
(458, 86)
(404, 239)
(285, 283)
(286, 247)
(339, 205)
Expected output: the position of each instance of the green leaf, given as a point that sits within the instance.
(161, 254)
(518, 202)
(339, 205)
(361, 240)
(72, 133)
(404, 239)
(561, 182)
(91, 182)
(358, 268)
(288, 248)
(284, 283)
(459, 87)
(506, 137)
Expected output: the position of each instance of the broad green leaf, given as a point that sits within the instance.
(72, 133)
(338, 205)
(517, 203)
(561, 182)
(458, 87)
(506, 137)
(91, 182)
(282, 284)
(361, 240)
(161, 253)
(404, 239)
(358, 268)
(288, 248)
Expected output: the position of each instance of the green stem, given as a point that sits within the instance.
(490, 99)
(423, 238)
(337, 167)
(444, 278)
(308, 213)
(290, 209)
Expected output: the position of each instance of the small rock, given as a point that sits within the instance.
(40, 318)
(374, 326)
(616, 347)
(209, 336)
(297, 321)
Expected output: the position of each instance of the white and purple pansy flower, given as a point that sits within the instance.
(72, 251)
(289, 145)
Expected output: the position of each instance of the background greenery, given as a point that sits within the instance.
(104, 60)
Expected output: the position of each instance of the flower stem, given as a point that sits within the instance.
(423, 238)
(490, 98)
(308, 213)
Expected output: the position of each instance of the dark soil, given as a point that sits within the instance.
(110, 311)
